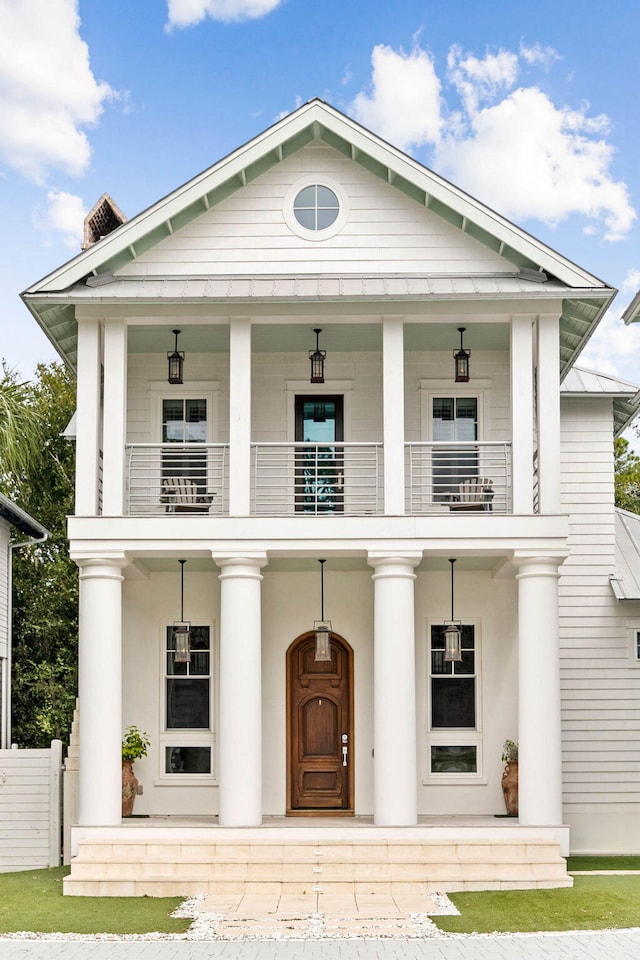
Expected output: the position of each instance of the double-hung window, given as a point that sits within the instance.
(188, 707)
(454, 424)
(453, 706)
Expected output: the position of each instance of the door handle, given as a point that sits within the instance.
(345, 749)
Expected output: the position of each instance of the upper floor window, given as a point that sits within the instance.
(316, 207)
(454, 422)
(184, 421)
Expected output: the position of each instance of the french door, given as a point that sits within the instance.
(319, 474)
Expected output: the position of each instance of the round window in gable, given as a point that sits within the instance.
(316, 207)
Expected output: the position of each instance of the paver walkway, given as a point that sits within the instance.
(601, 945)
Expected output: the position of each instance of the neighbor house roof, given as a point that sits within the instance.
(52, 300)
(625, 395)
(626, 582)
(20, 519)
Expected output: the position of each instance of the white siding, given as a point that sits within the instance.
(385, 231)
(600, 687)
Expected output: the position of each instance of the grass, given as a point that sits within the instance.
(32, 900)
(594, 903)
(603, 863)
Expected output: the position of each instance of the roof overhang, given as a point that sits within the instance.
(17, 517)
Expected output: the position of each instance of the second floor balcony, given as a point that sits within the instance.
(315, 479)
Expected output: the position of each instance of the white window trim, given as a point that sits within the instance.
(290, 218)
(455, 736)
(189, 738)
(633, 635)
(208, 390)
(432, 389)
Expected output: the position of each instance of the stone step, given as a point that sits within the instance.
(155, 866)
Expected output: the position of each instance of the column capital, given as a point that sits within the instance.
(540, 565)
(106, 568)
(245, 567)
(394, 566)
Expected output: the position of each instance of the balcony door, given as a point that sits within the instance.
(319, 474)
(184, 423)
(455, 421)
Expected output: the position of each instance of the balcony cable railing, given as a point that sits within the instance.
(186, 478)
(449, 476)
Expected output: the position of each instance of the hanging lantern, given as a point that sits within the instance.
(322, 627)
(317, 358)
(461, 358)
(182, 628)
(452, 632)
(176, 362)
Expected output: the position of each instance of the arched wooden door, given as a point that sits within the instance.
(319, 729)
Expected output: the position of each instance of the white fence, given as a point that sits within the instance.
(30, 808)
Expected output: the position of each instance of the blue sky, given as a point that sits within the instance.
(531, 108)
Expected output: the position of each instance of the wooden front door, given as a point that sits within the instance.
(320, 729)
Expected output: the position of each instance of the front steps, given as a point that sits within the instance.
(402, 861)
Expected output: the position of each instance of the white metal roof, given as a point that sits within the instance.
(626, 396)
(626, 583)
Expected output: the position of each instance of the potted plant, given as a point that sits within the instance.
(135, 744)
(510, 777)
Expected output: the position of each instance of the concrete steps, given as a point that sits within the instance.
(172, 866)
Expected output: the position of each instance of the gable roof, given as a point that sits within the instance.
(584, 296)
(626, 396)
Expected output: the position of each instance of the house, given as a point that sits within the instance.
(378, 495)
(12, 518)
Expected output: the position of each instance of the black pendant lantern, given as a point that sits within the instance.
(322, 627)
(452, 632)
(461, 358)
(182, 628)
(176, 362)
(317, 358)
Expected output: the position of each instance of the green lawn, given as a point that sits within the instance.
(594, 903)
(33, 901)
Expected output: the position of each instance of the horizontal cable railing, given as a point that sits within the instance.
(456, 477)
(317, 479)
(185, 478)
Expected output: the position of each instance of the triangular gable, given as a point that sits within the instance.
(585, 300)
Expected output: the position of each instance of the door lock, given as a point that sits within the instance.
(345, 748)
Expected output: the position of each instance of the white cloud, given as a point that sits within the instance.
(47, 89)
(512, 148)
(631, 282)
(404, 106)
(529, 158)
(64, 215)
(478, 80)
(187, 13)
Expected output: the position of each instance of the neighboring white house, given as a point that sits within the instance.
(387, 469)
(11, 516)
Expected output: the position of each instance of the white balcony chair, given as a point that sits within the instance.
(475, 493)
(180, 495)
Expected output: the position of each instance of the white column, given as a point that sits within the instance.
(522, 414)
(393, 414)
(87, 418)
(395, 796)
(115, 406)
(240, 416)
(240, 698)
(100, 692)
(539, 730)
(549, 413)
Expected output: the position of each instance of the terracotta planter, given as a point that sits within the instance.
(129, 787)
(510, 787)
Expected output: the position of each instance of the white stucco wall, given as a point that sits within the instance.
(290, 603)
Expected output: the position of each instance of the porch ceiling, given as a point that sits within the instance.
(336, 337)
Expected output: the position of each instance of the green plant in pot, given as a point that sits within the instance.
(135, 744)
(510, 777)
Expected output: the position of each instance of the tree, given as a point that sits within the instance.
(627, 476)
(40, 479)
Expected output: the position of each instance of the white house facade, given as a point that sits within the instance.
(317, 237)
